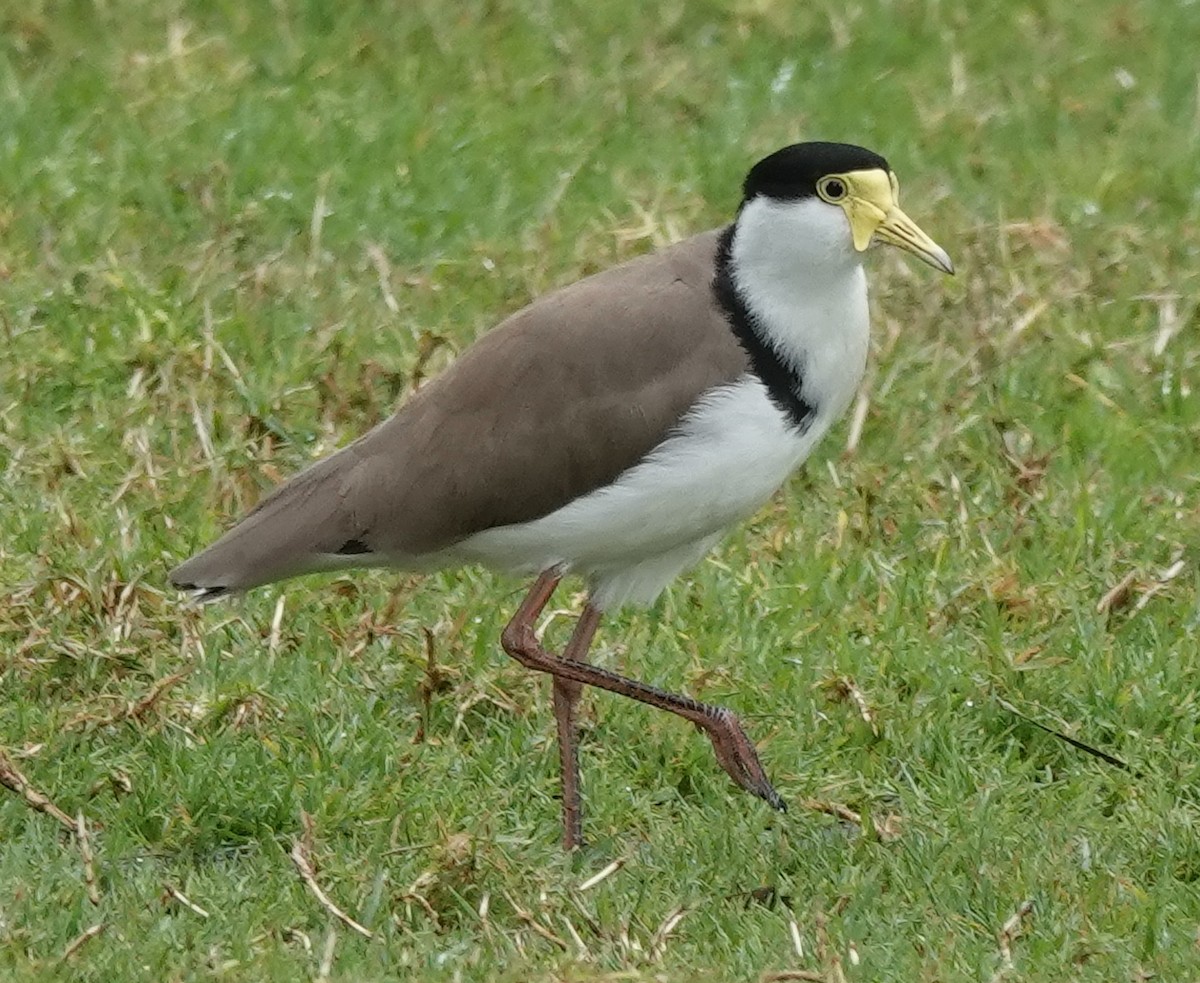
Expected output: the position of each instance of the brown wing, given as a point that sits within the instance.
(553, 403)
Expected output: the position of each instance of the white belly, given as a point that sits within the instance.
(728, 456)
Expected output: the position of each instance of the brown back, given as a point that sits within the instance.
(554, 402)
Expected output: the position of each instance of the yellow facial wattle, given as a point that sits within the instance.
(870, 199)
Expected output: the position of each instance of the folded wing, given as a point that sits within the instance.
(553, 403)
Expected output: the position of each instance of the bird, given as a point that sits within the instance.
(611, 430)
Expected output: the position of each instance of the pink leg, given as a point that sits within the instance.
(735, 752)
(566, 700)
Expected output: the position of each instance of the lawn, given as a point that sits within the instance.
(233, 236)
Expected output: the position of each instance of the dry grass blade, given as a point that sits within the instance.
(797, 941)
(887, 829)
(415, 894)
(429, 685)
(383, 270)
(658, 944)
(135, 710)
(1169, 321)
(89, 866)
(326, 966)
(316, 224)
(1118, 596)
(12, 779)
(300, 858)
(81, 940)
(603, 875)
(177, 895)
(580, 945)
(202, 434)
(826, 952)
(857, 421)
(155, 693)
(1008, 932)
(846, 688)
(529, 919)
(835, 809)
(793, 974)
(1160, 584)
(1022, 323)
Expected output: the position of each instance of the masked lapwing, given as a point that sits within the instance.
(612, 430)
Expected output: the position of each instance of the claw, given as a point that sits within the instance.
(736, 754)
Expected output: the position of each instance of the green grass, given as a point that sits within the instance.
(1033, 438)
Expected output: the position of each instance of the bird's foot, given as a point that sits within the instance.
(736, 754)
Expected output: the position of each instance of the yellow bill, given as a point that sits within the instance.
(871, 200)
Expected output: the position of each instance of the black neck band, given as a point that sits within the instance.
(784, 384)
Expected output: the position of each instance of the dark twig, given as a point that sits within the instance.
(1087, 748)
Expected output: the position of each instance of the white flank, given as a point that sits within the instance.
(632, 537)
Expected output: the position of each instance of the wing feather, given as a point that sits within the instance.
(553, 403)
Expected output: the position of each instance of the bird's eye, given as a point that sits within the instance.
(832, 189)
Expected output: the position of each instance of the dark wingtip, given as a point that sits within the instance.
(353, 547)
(199, 594)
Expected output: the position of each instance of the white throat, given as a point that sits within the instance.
(795, 265)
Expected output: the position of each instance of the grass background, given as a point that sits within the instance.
(233, 236)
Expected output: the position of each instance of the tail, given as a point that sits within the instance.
(301, 527)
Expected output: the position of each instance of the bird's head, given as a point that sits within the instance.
(840, 192)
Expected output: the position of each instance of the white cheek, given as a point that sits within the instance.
(781, 238)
